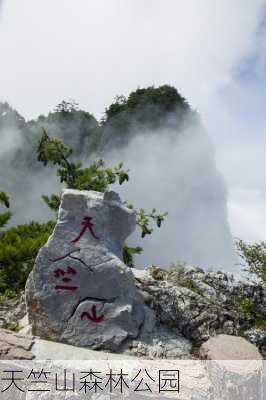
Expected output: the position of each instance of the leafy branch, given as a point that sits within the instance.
(95, 177)
(144, 219)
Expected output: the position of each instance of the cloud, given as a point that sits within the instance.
(94, 50)
(175, 172)
(238, 125)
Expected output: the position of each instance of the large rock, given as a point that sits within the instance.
(226, 347)
(79, 291)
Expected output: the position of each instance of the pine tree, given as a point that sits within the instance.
(96, 177)
(4, 216)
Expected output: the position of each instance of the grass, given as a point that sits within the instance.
(244, 305)
(260, 324)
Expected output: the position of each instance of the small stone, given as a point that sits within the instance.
(143, 275)
(4, 348)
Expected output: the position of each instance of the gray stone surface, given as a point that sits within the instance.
(201, 304)
(80, 292)
(11, 311)
(48, 350)
(158, 341)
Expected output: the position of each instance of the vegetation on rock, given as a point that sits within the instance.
(146, 109)
(254, 256)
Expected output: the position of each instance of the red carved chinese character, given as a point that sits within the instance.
(87, 224)
(61, 273)
(71, 271)
(64, 287)
(93, 316)
(66, 280)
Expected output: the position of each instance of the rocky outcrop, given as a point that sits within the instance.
(200, 304)
(11, 311)
(80, 292)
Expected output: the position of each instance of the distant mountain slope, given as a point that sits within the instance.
(161, 139)
(147, 109)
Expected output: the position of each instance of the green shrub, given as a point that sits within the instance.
(244, 305)
(254, 256)
(18, 249)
